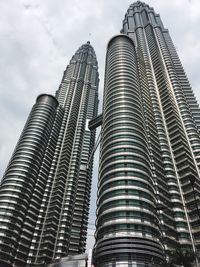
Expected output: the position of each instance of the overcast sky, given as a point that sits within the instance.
(38, 38)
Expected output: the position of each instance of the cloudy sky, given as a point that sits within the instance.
(38, 38)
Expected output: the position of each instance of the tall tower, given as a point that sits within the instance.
(149, 179)
(45, 191)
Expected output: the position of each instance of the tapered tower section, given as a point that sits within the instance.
(149, 174)
(66, 215)
(45, 191)
(169, 99)
(127, 222)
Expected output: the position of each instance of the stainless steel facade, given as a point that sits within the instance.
(71, 261)
(149, 149)
(45, 191)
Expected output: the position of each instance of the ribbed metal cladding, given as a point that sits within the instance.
(45, 192)
(62, 225)
(18, 183)
(172, 123)
(127, 230)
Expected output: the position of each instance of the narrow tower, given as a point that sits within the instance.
(149, 180)
(45, 191)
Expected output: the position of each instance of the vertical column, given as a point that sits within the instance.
(19, 180)
(126, 219)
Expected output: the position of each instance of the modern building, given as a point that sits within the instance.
(45, 191)
(72, 261)
(149, 170)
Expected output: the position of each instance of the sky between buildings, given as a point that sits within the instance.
(38, 38)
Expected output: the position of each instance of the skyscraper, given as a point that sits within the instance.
(45, 191)
(149, 181)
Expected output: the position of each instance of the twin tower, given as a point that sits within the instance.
(149, 168)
